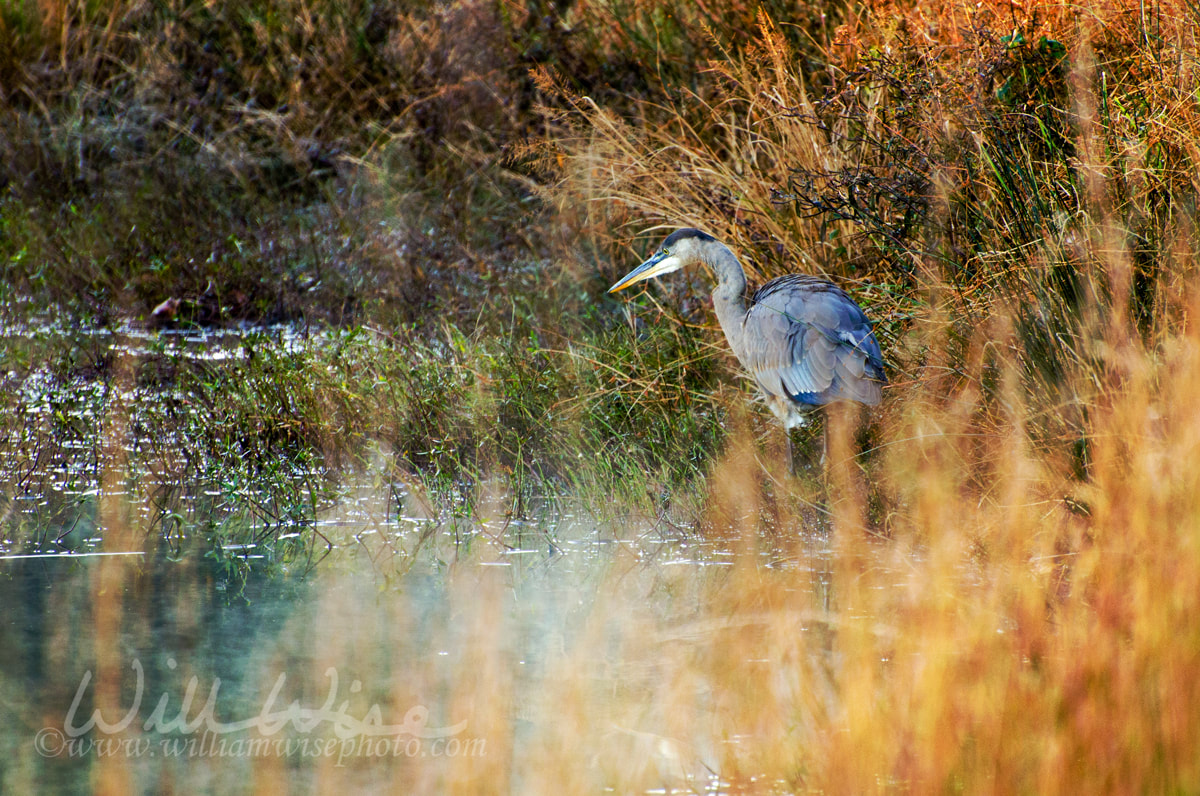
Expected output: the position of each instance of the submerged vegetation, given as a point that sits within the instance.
(405, 216)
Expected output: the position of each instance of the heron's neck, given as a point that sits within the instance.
(729, 296)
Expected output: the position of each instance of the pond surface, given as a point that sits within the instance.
(413, 657)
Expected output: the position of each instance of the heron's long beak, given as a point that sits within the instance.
(660, 263)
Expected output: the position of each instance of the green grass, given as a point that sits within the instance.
(277, 426)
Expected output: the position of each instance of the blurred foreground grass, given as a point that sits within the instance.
(436, 196)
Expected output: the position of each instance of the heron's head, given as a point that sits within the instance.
(682, 247)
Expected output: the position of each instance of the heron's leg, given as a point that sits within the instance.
(791, 454)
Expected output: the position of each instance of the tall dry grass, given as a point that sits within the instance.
(715, 159)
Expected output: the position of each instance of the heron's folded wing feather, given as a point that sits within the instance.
(808, 340)
(787, 356)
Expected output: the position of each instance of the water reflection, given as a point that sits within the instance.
(477, 645)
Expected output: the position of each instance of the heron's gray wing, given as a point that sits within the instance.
(805, 339)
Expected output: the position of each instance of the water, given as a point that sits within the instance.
(411, 657)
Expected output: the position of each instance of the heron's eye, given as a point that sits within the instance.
(665, 252)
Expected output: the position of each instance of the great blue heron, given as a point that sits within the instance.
(803, 339)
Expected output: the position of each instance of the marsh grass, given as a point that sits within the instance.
(270, 428)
